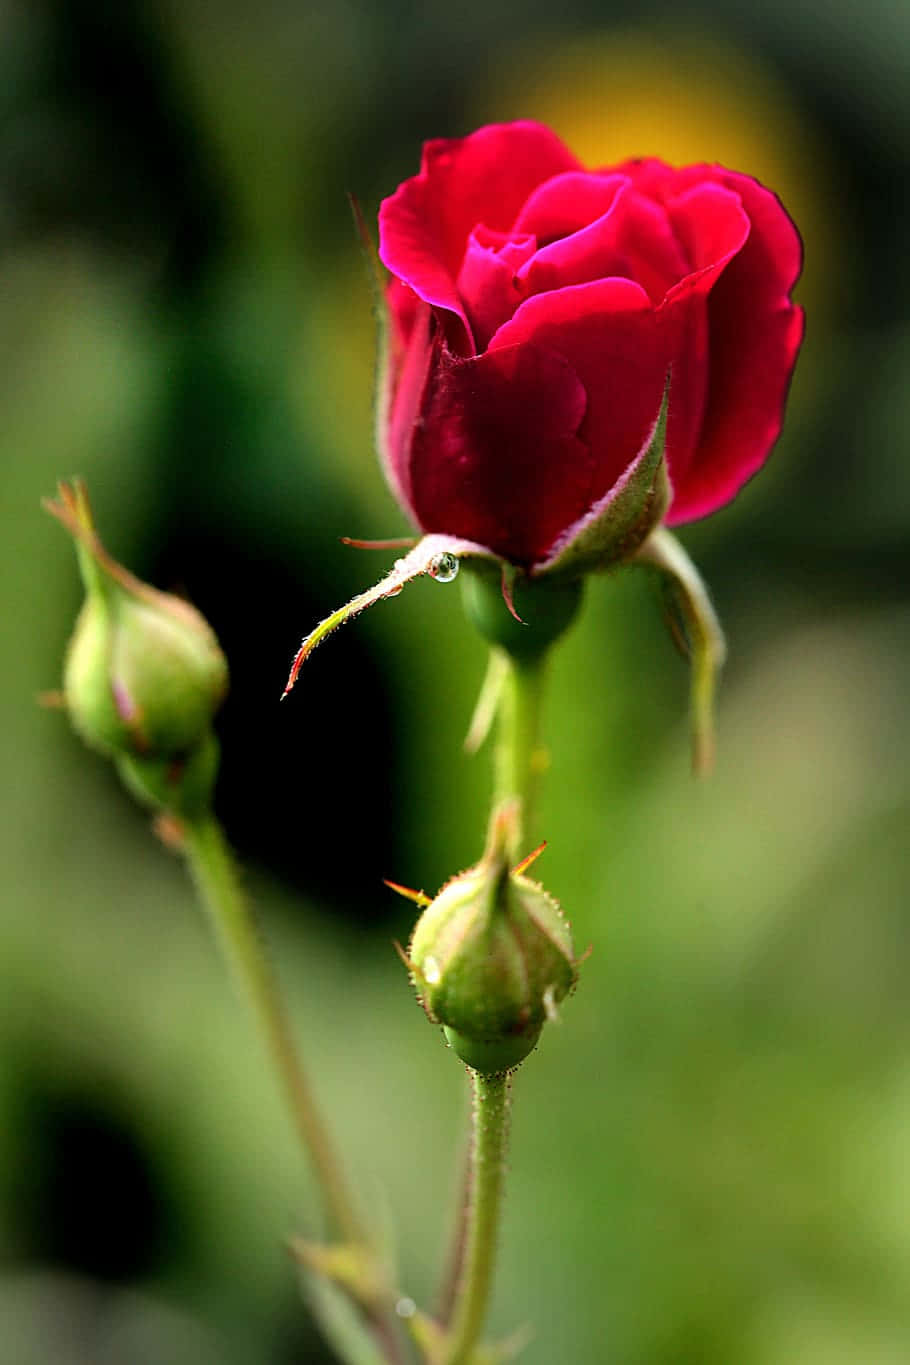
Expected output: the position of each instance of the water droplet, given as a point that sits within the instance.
(431, 971)
(443, 567)
(406, 1308)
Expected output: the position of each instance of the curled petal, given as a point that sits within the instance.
(749, 366)
(485, 178)
(633, 239)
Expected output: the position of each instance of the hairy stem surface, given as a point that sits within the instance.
(490, 1134)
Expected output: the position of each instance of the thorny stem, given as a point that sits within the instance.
(487, 1169)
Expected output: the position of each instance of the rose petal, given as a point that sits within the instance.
(484, 178)
(712, 227)
(567, 203)
(487, 280)
(495, 456)
(408, 370)
(755, 332)
(608, 332)
(633, 239)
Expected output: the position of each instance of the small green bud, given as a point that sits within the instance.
(491, 957)
(144, 674)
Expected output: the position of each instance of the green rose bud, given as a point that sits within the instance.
(491, 957)
(144, 674)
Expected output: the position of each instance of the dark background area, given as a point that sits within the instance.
(709, 1156)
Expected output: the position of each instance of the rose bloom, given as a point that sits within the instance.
(536, 309)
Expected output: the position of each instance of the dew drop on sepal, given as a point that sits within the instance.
(443, 567)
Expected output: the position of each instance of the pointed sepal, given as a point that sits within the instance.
(696, 628)
(487, 704)
(349, 1265)
(436, 556)
(613, 529)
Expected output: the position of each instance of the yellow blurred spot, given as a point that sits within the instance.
(685, 99)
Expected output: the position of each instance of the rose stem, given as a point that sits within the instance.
(488, 1153)
(519, 758)
(214, 872)
(518, 763)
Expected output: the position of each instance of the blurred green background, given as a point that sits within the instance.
(710, 1154)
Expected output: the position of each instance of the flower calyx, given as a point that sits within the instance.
(491, 957)
(144, 673)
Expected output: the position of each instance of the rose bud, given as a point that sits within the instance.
(491, 957)
(536, 310)
(144, 674)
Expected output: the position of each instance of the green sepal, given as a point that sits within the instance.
(614, 528)
(435, 556)
(341, 1321)
(701, 635)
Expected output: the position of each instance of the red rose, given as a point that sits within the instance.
(536, 308)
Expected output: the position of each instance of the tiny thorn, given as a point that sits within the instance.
(52, 700)
(525, 863)
(402, 954)
(506, 584)
(418, 897)
(399, 543)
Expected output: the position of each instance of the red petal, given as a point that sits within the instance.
(567, 203)
(712, 227)
(608, 332)
(409, 366)
(495, 457)
(487, 280)
(754, 336)
(485, 178)
(633, 239)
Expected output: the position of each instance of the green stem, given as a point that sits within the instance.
(215, 874)
(520, 758)
(490, 1133)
